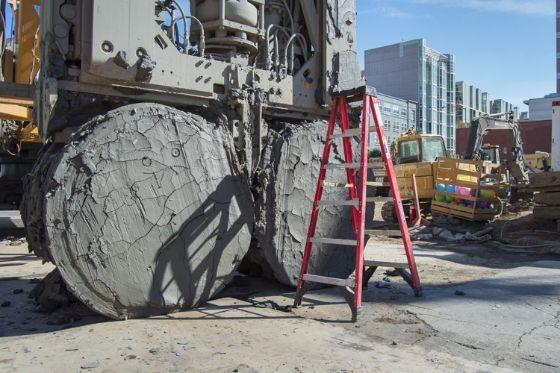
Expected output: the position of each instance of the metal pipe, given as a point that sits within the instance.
(289, 15)
(222, 10)
(287, 8)
(262, 21)
(269, 28)
(202, 42)
(304, 47)
(276, 53)
(180, 8)
(267, 37)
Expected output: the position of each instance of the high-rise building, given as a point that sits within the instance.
(472, 102)
(500, 106)
(413, 71)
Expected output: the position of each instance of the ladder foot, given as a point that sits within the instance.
(355, 313)
(298, 299)
(299, 295)
(349, 295)
(418, 292)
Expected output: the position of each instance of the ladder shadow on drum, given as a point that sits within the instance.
(180, 267)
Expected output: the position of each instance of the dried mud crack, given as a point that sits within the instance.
(144, 212)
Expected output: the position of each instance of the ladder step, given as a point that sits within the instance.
(351, 133)
(384, 232)
(383, 263)
(339, 166)
(334, 241)
(329, 280)
(376, 184)
(352, 202)
(328, 184)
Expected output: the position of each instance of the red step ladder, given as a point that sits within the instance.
(364, 269)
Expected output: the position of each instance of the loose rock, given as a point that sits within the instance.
(92, 365)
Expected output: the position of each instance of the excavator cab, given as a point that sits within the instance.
(415, 154)
(412, 148)
(491, 153)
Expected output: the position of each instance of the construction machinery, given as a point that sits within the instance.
(19, 135)
(490, 153)
(177, 136)
(415, 154)
(538, 162)
(518, 173)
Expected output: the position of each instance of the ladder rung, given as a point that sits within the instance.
(328, 184)
(334, 166)
(383, 263)
(352, 202)
(351, 133)
(375, 183)
(384, 232)
(329, 280)
(334, 241)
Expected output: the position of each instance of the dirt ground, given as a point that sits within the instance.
(483, 309)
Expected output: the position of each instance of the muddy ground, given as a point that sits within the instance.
(484, 309)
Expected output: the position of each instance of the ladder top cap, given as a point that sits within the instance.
(354, 93)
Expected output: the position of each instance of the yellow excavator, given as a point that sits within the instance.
(19, 65)
(415, 154)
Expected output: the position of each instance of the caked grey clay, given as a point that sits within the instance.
(143, 211)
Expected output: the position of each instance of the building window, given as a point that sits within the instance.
(386, 108)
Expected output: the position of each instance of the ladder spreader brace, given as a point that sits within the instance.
(364, 269)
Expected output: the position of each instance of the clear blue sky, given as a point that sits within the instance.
(506, 47)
